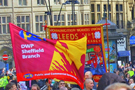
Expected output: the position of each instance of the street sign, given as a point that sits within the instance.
(5, 57)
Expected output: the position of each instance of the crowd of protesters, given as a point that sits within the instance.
(123, 77)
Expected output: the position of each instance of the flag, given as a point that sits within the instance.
(38, 58)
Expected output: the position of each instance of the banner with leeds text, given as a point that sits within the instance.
(95, 57)
(39, 58)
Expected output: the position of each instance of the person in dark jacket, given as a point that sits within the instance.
(107, 79)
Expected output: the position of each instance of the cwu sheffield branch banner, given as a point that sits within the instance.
(39, 58)
(95, 57)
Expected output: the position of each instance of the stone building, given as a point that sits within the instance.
(31, 15)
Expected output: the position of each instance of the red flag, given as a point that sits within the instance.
(38, 58)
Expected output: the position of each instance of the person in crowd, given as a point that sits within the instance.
(41, 82)
(7, 73)
(131, 72)
(89, 75)
(28, 84)
(55, 85)
(133, 65)
(22, 85)
(75, 88)
(3, 82)
(63, 88)
(117, 72)
(130, 63)
(14, 80)
(132, 86)
(2, 71)
(46, 85)
(35, 87)
(61, 84)
(128, 66)
(11, 75)
(118, 86)
(67, 86)
(11, 86)
(131, 81)
(49, 87)
(14, 70)
(35, 82)
(127, 77)
(107, 79)
(89, 84)
(120, 68)
(114, 71)
(121, 74)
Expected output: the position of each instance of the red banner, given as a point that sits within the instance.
(95, 57)
(39, 58)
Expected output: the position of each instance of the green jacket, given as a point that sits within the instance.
(3, 81)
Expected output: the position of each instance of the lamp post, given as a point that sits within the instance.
(48, 11)
(108, 10)
(73, 13)
(67, 2)
(73, 10)
(73, 2)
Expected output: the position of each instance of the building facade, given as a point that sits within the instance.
(32, 14)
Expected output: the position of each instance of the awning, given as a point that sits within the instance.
(123, 53)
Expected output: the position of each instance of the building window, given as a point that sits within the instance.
(119, 15)
(40, 2)
(3, 2)
(110, 16)
(117, 20)
(92, 7)
(40, 21)
(4, 24)
(81, 1)
(109, 7)
(24, 22)
(121, 20)
(22, 2)
(70, 19)
(82, 18)
(61, 20)
(98, 16)
(98, 7)
(86, 2)
(105, 9)
(86, 19)
(57, 2)
(93, 18)
(117, 7)
(121, 7)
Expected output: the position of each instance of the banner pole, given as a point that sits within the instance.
(49, 88)
(107, 45)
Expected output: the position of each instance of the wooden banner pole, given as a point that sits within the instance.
(107, 45)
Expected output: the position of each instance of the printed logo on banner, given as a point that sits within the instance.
(28, 36)
(28, 76)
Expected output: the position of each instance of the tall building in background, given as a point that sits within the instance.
(31, 15)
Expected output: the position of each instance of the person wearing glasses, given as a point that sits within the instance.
(61, 84)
